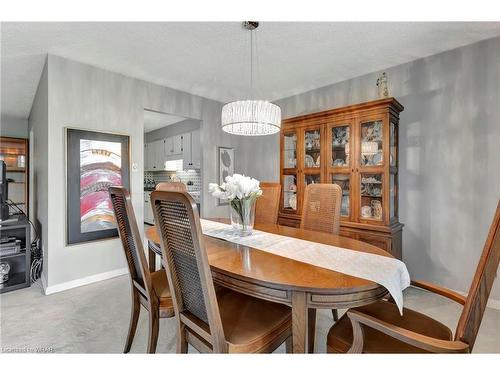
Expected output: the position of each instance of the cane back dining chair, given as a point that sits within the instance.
(149, 289)
(321, 208)
(379, 328)
(268, 204)
(321, 212)
(211, 320)
(171, 186)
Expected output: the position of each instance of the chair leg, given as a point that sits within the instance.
(182, 345)
(134, 318)
(289, 345)
(154, 322)
(335, 314)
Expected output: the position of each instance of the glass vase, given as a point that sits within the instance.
(242, 214)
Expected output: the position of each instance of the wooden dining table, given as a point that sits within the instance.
(302, 286)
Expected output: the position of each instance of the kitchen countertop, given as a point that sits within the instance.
(195, 194)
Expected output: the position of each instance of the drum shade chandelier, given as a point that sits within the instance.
(251, 117)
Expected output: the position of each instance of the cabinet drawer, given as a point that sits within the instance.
(379, 241)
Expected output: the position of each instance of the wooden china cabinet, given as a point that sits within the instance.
(355, 147)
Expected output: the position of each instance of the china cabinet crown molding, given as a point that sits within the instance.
(356, 147)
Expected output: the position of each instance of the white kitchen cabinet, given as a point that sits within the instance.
(186, 151)
(169, 146)
(146, 157)
(173, 147)
(156, 155)
(177, 142)
(191, 150)
(195, 149)
(148, 210)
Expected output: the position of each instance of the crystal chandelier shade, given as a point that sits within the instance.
(251, 118)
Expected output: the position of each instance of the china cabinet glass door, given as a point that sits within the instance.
(339, 149)
(312, 151)
(290, 172)
(371, 171)
(311, 162)
(393, 169)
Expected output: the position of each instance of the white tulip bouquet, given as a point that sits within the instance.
(241, 192)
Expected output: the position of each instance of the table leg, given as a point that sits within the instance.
(151, 259)
(300, 317)
(311, 329)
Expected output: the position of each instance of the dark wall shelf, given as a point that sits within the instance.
(20, 263)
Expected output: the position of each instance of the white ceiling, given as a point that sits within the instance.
(156, 120)
(211, 59)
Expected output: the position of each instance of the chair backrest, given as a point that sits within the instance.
(187, 267)
(479, 292)
(267, 206)
(171, 186)
(321, 208)
(131, 239)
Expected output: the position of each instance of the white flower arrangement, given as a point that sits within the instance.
(238, 187)
(242, 192)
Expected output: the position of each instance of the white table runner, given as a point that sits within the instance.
(386, 271)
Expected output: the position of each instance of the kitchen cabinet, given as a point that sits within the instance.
(146, 157)
(183, 146)
(155, 155)
(355, 147)
(148, 210)
(186, 151)
(173, 147)
(191, 155)
(195, 149)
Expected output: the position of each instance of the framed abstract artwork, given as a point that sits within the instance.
(226, 167)
(94, 161)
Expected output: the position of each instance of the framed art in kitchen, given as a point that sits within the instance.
(94, 161)
(226, 167)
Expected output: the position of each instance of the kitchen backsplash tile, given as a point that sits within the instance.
(192, 175)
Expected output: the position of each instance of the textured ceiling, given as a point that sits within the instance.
(211, 59)
(156, 120)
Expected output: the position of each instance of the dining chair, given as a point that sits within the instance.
(379, 328)
(149, 289)
(211, 319)
(267, 206)
(321, 212)
(321, 208)
(171, 186)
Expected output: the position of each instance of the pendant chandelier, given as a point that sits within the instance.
(251, 117)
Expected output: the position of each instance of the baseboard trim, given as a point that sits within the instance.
(83, 281)
(43, 279)
(493, 304)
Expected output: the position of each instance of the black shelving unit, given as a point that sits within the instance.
(20, 263)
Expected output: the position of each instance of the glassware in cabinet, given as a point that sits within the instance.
(371, 196)
(290, 150)
(371, 150)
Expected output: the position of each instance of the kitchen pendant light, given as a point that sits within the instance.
(251, 117)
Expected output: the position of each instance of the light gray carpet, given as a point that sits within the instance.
(94, 319)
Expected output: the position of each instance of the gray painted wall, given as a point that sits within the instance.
(82, 96)
(39, 165)
(13, 127)
(449, 151)
(181, 127)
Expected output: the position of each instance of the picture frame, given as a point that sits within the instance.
(95, 161)
(225, 167)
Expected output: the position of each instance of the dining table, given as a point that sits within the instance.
(302, 286)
